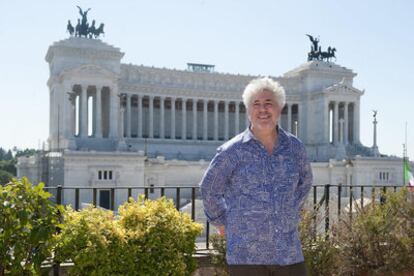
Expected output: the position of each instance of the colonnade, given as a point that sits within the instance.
(166, 117)
(344, 122)
(96, 111)
(91, 110)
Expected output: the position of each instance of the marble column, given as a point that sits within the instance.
(114, 114)
(237, 118)
(205, 118)
(162, 118)
(299, 131)
(226, 120)
(246, 119)
(172, 118)
(346, 134)
(216, 103)
(98, 106)
(151, 117)
(139, 107)
(335, 129)
(67, 111)
(356, 122)
(184, 119)
(341, 125)
(128, 115)
(289, 117)
(73, 115)
(194, 119)
(84, 112)
(122, 125)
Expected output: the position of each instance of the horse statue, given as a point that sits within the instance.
(70, 28)
(78, 28)
(328, 55)
(92, 29)
(99, 31)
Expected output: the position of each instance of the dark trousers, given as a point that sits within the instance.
(298, 269)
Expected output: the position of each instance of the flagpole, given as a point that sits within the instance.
(405, 159)
(403, 171)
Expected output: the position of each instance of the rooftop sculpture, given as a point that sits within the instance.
(316, 52)
(83, 29)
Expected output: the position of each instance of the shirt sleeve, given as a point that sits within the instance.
(305, 179)
(213, 185)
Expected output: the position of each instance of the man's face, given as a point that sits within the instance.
(264, 111)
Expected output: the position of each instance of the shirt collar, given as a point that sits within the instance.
(248, 135)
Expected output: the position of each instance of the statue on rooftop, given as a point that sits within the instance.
(83, 29)
(316, 52)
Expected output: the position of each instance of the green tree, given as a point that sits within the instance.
(8, 166)
(2, 153)
(5, 177)
(28, 224)
(25, 152)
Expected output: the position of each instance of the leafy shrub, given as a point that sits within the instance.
(5, 177)
(148, 238)
(93, 241)
(380, 240)
(218, 254)
(28, 224)
(319, 250)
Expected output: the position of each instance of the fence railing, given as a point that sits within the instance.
(321, 196)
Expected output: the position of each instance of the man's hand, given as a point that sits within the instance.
(221, 230)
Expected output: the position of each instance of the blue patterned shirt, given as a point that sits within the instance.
(258, 196)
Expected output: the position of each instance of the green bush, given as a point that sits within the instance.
(5, 177)
(28, 224)
(320, 252)
(218, 254)
(380, 240)
(148, 238)
(93, 241)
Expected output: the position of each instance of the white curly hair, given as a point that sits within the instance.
(261, 84)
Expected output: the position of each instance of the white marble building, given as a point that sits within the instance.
(114, 124)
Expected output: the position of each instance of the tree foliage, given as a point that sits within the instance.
(28, 224)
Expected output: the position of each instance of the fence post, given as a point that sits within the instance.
(193, 203)
(208, 235)
(177, 203)
(56, 265)
(77, 199)
(382, 198)
(95, 191)
(315, 194)
(112, 199)
(339, 200)
(327, 186)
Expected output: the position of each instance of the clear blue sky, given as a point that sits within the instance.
(373, 38)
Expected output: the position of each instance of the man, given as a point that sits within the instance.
(255, 187)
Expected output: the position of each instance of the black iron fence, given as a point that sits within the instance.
(332, 201)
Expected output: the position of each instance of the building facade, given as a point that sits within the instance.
(115, 124)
